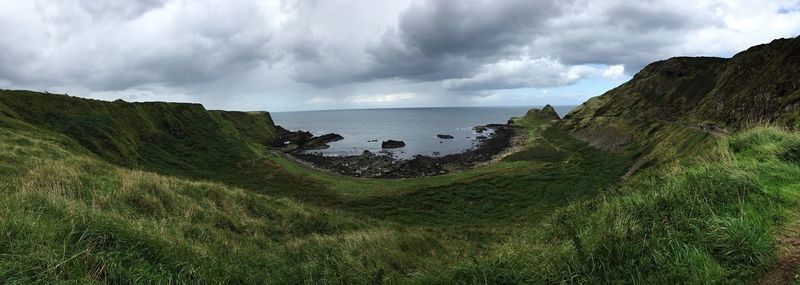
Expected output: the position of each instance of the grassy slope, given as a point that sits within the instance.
(149, 226)
(665, 111)
(543, 215)
(708, 220)
(65, 215)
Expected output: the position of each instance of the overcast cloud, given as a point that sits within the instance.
(312, 54)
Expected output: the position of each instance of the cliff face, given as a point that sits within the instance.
(673, 106)
(151, 135)
(758, 86)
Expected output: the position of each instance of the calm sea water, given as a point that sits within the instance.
(364, 129)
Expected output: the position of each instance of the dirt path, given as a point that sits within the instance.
(706, 128)
(789, 261)
(516, 144)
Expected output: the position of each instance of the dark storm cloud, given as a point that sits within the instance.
(450, 39)
(645, 31)
(474, 29)
(108, 10)
(446, 39)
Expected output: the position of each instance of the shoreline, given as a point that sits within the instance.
(503, 141)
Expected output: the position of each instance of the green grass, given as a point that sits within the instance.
(709, 220)
(522, 194)
(117, 193)
(72, 217)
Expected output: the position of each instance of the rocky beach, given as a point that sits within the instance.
(385, 165)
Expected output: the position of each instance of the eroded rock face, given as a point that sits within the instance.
(760, 85)
(303, 140)
(292, 137)
(392, 144)
(672, 105)
(321, 142)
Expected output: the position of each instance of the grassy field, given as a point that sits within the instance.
(196, 196)
(713, 219)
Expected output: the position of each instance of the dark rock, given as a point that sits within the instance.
(392, 144)
(303, 140)
(481, 137)
(296, 137)
(480, 129)
(321, 142)
(444, 137)
(332, 137)
(314, 145)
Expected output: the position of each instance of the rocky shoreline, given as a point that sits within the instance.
(374, 165)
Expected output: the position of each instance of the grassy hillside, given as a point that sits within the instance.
(713, 219)
(676, 106)
(755, 87)
(65, 215)
(157, 135)
(175, 139)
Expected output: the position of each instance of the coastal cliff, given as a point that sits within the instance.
(672, 107)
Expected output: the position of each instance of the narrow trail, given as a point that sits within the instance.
(785, 270)
(516, 144)
(705, 128)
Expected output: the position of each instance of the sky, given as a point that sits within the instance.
(284, 55)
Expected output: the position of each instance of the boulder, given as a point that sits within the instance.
(303, 139)
(392, 144)
(321, 142)
(326, 138)
(444, 137)
(287, 136)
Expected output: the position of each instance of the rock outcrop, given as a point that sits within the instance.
(545, 113)
(673, 106)
(392, 144)
(758, 86)
(293, 141)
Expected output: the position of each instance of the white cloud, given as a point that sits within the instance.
(319, 100)
(614, 72)
(521, 73)
(383, 98)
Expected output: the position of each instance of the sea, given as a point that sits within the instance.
(365, 129)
